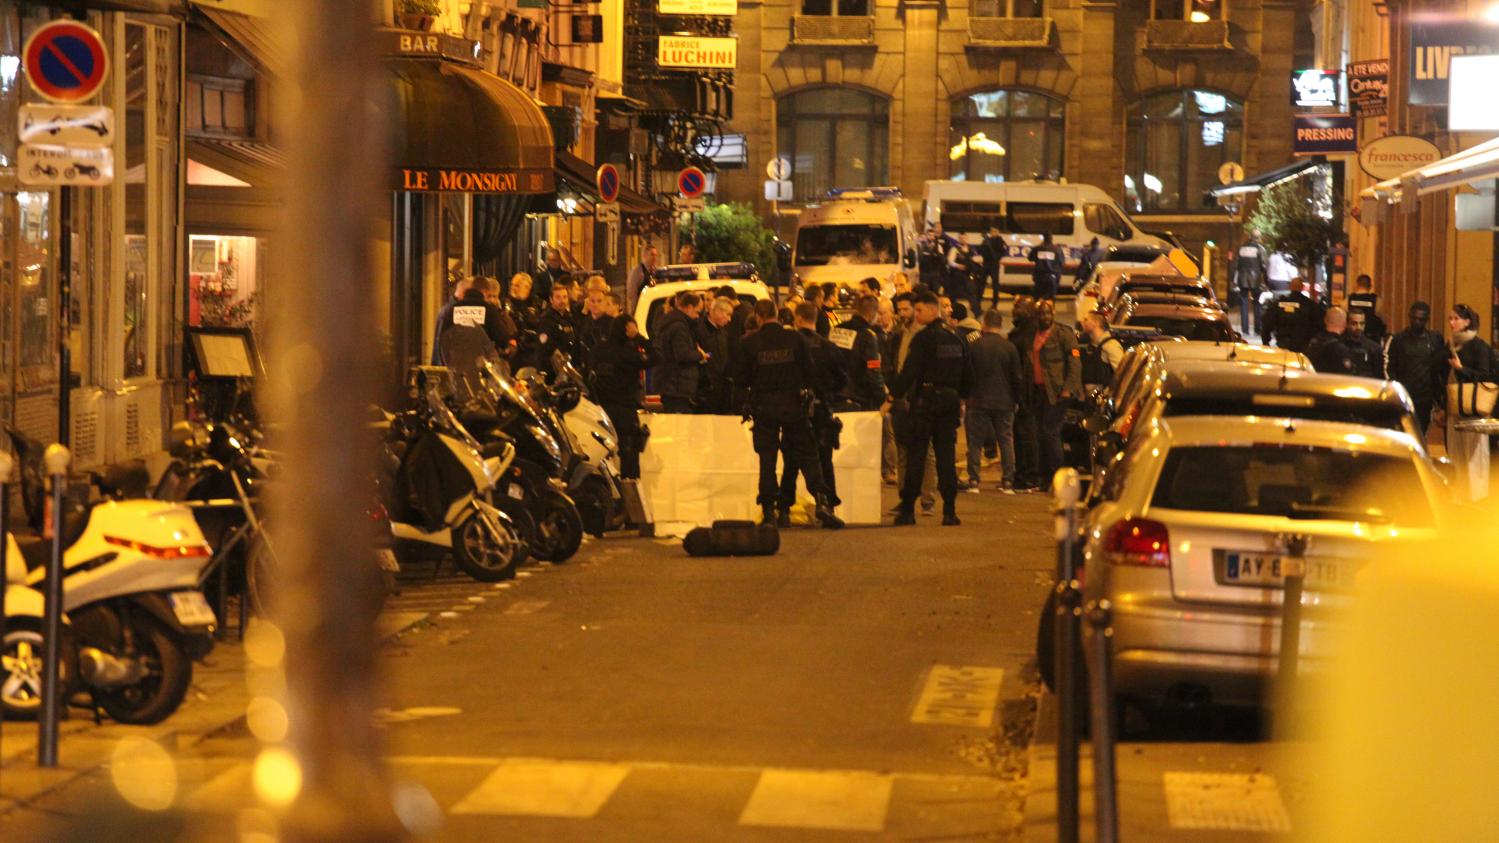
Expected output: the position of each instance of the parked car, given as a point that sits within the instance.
(697, 278)
(1133, 283)
(1193, 322)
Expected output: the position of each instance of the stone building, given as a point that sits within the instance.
(1146, 99)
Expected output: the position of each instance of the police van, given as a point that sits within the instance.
(1073, 214)
(853, 234)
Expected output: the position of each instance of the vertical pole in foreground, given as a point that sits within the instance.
(65, 317)
(322, 359)
(1293, 566)
(56, 459)
(1066, 489)
(1100, 614)
(7, 465)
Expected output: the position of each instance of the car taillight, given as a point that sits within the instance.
(151, 550)
(1138, 541)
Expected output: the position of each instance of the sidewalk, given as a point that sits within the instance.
(216, 700)
(1167, 792)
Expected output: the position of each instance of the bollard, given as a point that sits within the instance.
(7, 465)
(56, 459)
(1293, 567)
(1066, 490)
(1100, 615)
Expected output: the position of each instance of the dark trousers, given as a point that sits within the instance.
(1423, 414)
(676, 404)
(1045, 287)
(1249, 306)
(1049, 416)
(993, 282)
(824, 461)
(627, 425)
(794, 440)
(941, 432)
(1027, 456)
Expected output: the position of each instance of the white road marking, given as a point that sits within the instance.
(1224, 802)
(959, 696)
(475, 599)
(803, 799)
(526, 607)
(574, 789)
(494, 761)
(501, 586)
(447, 615)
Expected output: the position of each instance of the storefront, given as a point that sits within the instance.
(471, 151)
(233, 200)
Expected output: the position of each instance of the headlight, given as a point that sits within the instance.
(548, 441)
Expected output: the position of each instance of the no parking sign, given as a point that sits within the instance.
(692, 182)
(65, 61)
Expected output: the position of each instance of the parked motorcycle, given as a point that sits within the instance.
(135, 619)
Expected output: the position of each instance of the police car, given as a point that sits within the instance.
(700, 278)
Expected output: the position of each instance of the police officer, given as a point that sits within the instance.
(859, 342)
(1327, 350)
(1046, 268)
(556, 330)
(934, 382)
(1368, 357)
(828, 378)
(1294, 319)
(1249, 279)
(1364, 300)
(775, 365)
(474, 308)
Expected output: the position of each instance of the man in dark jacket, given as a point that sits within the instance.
(991, 404)
(1055, 376)
(474, 308)
(552, 274)
(827, 378)
(1027, 448)
(859, 341)
(1092, 256)
(716, 389)
(1294, 318)
(775, 364)
(1368, 359)
(1415, 358)
(1327, 350)
(679, 359)
(816, 295)
(935, 380)
(1364, 300)
(619, 359)
(994, 250)
(556, 330)
(1249, 279)
(1047, 262)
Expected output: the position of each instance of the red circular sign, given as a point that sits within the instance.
(65, 61)
(608, 182)
(692, 182)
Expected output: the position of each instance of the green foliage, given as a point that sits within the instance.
(1290, 217)
(732, 232)
(419, 7)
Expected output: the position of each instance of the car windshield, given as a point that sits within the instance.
(1210, 330)
(1371, 413)
(1295, 482)
(827, 245)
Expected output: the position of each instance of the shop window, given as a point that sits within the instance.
(218, 106)
(1006, 135)
(835, 137)
(136, 297)
(1174, 144)
(1007, 9)
(224, 280)
(1196, 11)
(837, 8)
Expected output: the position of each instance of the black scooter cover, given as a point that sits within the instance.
(733, 538)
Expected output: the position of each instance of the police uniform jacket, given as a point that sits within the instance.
(475, 312)
(555, 332)
(1330, 354)
(828, 376)
(1294, 320)
(937, 359)
(775, 366)
(1249, 266)
(1368, 358)
(859, 343)
(1048, 262)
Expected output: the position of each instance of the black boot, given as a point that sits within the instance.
(767, 513)
(825, 516)
(783, 518)
(950, 515)
(905, 514)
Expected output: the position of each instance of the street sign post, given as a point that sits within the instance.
(65, 61)
(691, 204)
(607, 179)
(606, 212)
(691, 182)
(778, 168)
(67, 125)
(778, 191)
(40, 165)
(1230, 172)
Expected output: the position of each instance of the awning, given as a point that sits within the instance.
(1474, 164)
(458, 129)
(1267, 178)
(256, 39)
(233, 186)
(579, 175)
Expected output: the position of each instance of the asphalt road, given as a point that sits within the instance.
(872, 683)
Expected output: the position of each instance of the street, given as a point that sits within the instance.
(870, 680)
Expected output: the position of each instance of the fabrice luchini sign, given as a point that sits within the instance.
(688, 51)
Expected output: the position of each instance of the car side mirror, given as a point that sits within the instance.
(910, 261)
(1095, 423)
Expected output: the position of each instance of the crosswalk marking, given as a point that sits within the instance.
(1224, 802)
(577, 789)
(527, 607)
(804, 799)
(959, 696)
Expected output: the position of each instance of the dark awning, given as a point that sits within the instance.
(1267, 178)
(458, 129)
(233, 186)
(580, 177)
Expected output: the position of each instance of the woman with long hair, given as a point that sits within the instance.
(1469, 361)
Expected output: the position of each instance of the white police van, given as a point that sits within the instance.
(1073, 214)
(851, 234)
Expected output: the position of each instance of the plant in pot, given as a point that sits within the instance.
(418, 14)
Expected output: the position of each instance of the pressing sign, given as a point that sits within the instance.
(843, 338)
(469, 316)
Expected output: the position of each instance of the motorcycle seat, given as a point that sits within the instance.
(36, 549)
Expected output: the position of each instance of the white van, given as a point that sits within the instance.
(1073, 214)
(853, 234)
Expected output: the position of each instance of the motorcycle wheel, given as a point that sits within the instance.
(483, 556)
(260, 577)
(525, 524)
(559, 529)
(155, 697)
(595, 505)
(21, 656)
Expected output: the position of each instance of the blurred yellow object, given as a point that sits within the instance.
(1185, 265)
(1406, 740)
(277, 776)
(144, 774)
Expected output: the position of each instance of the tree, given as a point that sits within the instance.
(732, 232)
(1294, 217)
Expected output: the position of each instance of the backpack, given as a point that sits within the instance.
(1095, 368)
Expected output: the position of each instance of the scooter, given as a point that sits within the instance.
(135, 619)
(596, 485)
(438, 486)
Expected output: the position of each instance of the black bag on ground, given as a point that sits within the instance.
(733, 538)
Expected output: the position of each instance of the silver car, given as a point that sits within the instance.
(1185, 540)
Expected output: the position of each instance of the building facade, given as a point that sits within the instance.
(1145, 98)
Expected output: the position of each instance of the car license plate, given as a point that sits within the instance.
(1268, 569)
(387, 560)
(191, 609)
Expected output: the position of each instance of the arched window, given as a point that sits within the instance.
(835, 137)
(1005, 135)
(1174, 145)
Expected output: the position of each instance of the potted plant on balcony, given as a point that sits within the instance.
(418, 14)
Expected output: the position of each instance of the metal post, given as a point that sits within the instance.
(1100, 615)
(1293, 567)
(56, 459)
(65, 317)
(1066, 489)
(7, 465)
